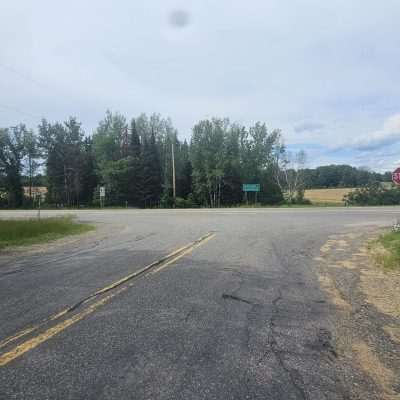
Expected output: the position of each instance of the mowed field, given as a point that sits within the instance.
(327, 196)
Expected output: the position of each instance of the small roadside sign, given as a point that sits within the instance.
(251, 187)
(102, 191)
(396, 176)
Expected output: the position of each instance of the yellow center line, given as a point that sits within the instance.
(10, 339)
(30, 344)
(113, 285)
(161, 267)
(49, 333)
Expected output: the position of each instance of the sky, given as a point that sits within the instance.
(327, 73)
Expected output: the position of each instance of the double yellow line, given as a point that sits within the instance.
(115, 288)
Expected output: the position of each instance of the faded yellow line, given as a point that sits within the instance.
(10, 339)
(113, 285)
(30, 344)
(49, 333)
(130, 276)
(161, 267)
(26, 331)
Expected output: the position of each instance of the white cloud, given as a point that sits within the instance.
(317, 70)
(308, 126)
(388, 135)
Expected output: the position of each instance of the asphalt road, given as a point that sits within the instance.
(235, 313)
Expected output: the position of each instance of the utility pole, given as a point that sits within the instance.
(66, 185)
(173, 173)
(40, 196)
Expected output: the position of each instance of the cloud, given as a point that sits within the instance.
(388, 135)
(308, 126)
(322, 78)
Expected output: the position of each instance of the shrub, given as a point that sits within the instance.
(373, 195)
(183, 203)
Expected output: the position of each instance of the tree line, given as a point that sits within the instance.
(329, 176)
(133, 159)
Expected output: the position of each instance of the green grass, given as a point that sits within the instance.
(388, 252)
(25, 232)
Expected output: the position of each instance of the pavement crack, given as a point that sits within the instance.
(237, 298)
(15, 271)
(189, 314)
(273, 347)
(138, 238)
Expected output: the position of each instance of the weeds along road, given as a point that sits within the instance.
(185, 304)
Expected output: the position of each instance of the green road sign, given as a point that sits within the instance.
(251, 187)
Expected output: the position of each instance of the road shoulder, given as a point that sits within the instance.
(367, 301)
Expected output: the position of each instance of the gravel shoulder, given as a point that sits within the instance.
(367, 301)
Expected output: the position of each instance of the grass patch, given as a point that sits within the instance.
(386, 250)
(25, 232)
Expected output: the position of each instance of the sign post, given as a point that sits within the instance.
(251, 187)
(396, 176)
(102, 195)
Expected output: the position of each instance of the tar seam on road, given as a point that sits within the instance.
(152, 268)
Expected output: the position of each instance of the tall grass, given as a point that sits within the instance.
(386, 250)
(24, 232)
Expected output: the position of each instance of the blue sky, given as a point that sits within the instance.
(325, 72)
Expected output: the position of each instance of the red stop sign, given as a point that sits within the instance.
(396, 176)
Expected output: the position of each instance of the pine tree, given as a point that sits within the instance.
(134, 144)
(135, 178)
(89, 178)
(152, 173)
(184, 173)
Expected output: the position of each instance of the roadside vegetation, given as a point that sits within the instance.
(374, 194)
(386, 250)
(134, 159)
(32, 231)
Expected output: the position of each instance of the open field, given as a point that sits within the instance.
(25, 232)
(332, 196)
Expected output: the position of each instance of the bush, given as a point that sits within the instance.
(183, 203)
(373, 195)
(166, 201)
(271, 193)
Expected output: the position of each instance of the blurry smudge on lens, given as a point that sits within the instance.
(179, 18)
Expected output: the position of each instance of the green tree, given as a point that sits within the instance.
(135, 168)
(89, 178)
(12, 152)
(184, 171)
(207, 150)
(32, 154)
(231, 191)
(152, 173)
(108, 139)
(62, 146)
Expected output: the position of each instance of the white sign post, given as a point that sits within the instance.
(102, 195)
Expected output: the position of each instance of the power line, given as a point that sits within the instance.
(20, 111)
(23, 75)
(27, 78)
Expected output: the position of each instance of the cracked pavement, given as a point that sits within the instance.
(242, 316)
